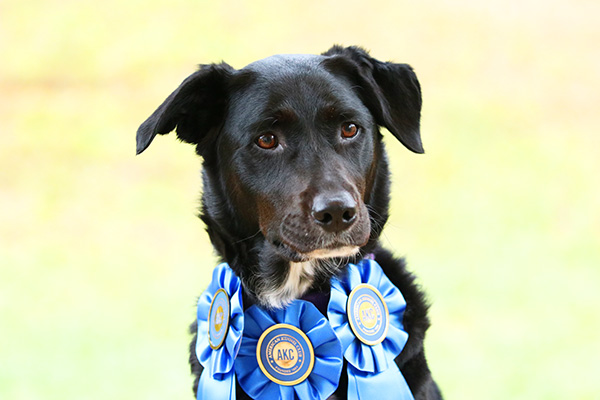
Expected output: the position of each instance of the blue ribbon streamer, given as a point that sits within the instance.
(324, 378)
(372, 372)
(217, 381)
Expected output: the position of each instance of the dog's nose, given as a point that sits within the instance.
(334, 213)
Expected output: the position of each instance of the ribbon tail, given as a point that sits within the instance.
(384, 385)
(216, 389)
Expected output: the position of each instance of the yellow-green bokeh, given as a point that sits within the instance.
(101, 256)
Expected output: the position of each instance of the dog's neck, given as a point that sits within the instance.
(318, 296)
(300, 279)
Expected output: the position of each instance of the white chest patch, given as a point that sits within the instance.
(300, 278)
(301, 275)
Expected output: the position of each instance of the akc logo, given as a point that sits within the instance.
(218, 319)
(367, 314)
(285, 354)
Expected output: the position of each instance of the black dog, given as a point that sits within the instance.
(295, 175)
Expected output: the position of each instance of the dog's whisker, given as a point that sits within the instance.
(248, 238)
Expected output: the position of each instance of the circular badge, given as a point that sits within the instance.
(368, 314)
(285, 354)
(218, 319)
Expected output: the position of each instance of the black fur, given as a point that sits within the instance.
(259, 205)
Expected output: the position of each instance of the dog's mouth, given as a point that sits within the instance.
(290, 252)
(342, 251)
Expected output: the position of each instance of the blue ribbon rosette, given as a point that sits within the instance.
(366, 312)
(220, 328)
(289, 354)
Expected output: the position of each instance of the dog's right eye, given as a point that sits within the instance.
(349, 130)
(267, 141)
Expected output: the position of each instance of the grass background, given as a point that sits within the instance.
(101, 256)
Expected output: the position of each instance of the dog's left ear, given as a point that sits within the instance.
(195, 108)
(390, 91)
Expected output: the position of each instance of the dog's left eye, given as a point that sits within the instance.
(267, 141)
(349, 130)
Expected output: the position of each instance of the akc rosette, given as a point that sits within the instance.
(220, 316)
(366, 312)
(288, 354)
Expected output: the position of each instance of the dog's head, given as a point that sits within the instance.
(295, 174)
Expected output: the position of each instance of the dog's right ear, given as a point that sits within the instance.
(196, 107)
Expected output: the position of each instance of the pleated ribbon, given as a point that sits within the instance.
(217, 381)
(324, 377)
(372, 372)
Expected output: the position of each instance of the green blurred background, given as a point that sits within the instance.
(101, 256)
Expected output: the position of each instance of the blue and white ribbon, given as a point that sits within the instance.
(220, 328)
(284, 344)
(372, 372)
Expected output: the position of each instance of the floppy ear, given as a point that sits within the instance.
(196, 107)
(390, 91)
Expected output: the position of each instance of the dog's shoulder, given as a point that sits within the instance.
(416, 321)
(411, 360)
